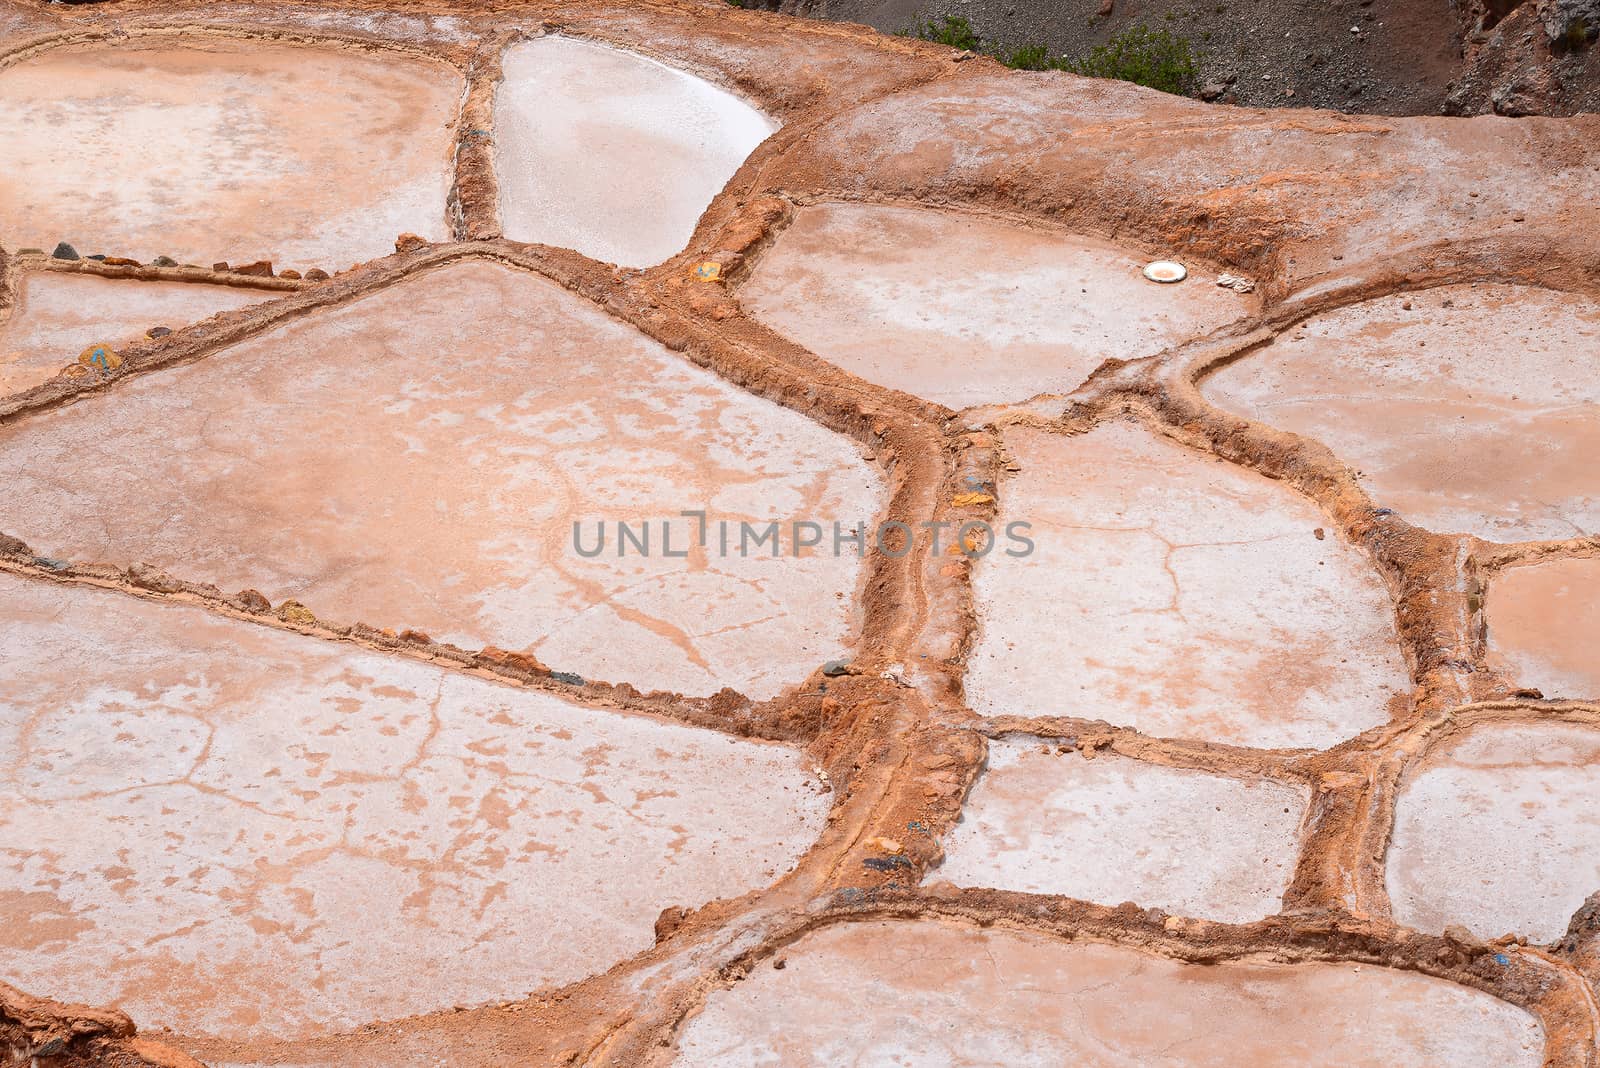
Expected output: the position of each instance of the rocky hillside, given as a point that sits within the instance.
(1385, 57)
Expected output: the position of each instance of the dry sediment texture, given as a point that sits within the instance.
(1323, 211)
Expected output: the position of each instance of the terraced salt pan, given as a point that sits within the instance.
(228, 829)
(1470, 409)
(1499, 831)
(1180, 595)
(1113, 829)
(214, 149)
(1543, 619)
(612, 154)
(964, 310)
(57, 316)
(929, 994)
(417, 458)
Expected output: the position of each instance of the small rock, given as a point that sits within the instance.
(157, 331)
(409, 243)
(1458, 936)
(223, 266)
(1319, 534)
(98, 257)
(1531, 92)
(296, 613)
(834, 668)
(15, 547)
(670, 919)
(100, 356)
(290, 274)
(1212, 90)
(1237, 283)
(258, 269)
(514, 661)
(252, 601)
(64, 251)
(150, 577)
(53, 1046)
(121, 261)
(163, 261)
(316, 274)
(567, 677)
(1105, 8)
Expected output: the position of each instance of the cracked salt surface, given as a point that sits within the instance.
(1113, 829)
(1499, 830)
(1470, 409)
(231, 830)
(1179, 595)
(417, 458)
(935, 995)
(965, 310)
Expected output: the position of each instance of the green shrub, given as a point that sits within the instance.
(1031, 57)
(956, 32)
(1577, 34)
(953, 31)
(1156, 58)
